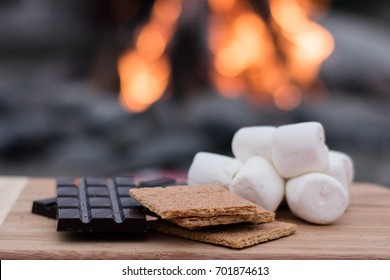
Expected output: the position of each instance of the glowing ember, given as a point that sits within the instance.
(278, 59)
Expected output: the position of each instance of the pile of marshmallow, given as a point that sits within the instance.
(289, 162)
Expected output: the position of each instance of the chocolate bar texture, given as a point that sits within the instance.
(95, 204)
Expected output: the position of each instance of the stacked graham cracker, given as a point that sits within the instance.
(211, 214)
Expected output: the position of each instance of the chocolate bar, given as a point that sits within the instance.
(159, 182)
(97, 204)
(45, 207)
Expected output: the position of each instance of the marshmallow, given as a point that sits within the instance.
(317, 198)
(340, 168)
(347, 164)
(258, 181)
(212, 168)
(253, 141)
(299, 148)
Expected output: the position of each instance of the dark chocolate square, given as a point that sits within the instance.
(99, 181)
(123, 191)
(97, 191)
(124, 181)
(66, 181)
(67, 191)
(101, 213)
(68, 202)
(68, 213)
(128, 202)
(102, 202)
(45, 207)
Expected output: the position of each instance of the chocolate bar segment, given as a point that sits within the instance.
(66, 181)
(160, 182)
(99, 205)
(124, 180)
(45, 207)
(98, 181)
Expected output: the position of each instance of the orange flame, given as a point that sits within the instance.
(275, 60)
(145, 71)
(306, 43)
(145, 80)
(246, 55)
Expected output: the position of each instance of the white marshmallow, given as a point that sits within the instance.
(347, 163)
(299, 148)
(258, 181)
(340, 169)
(253, 141)
(316, 198)
(212, 168)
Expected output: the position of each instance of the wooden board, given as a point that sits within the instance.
(9, 195)
(362, 233)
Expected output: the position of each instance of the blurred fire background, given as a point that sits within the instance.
(112, 86)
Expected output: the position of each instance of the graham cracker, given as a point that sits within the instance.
(205, 200)
(261, 216)
(234, 236)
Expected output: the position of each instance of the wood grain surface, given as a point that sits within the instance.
(363, 232)
(10, 189)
